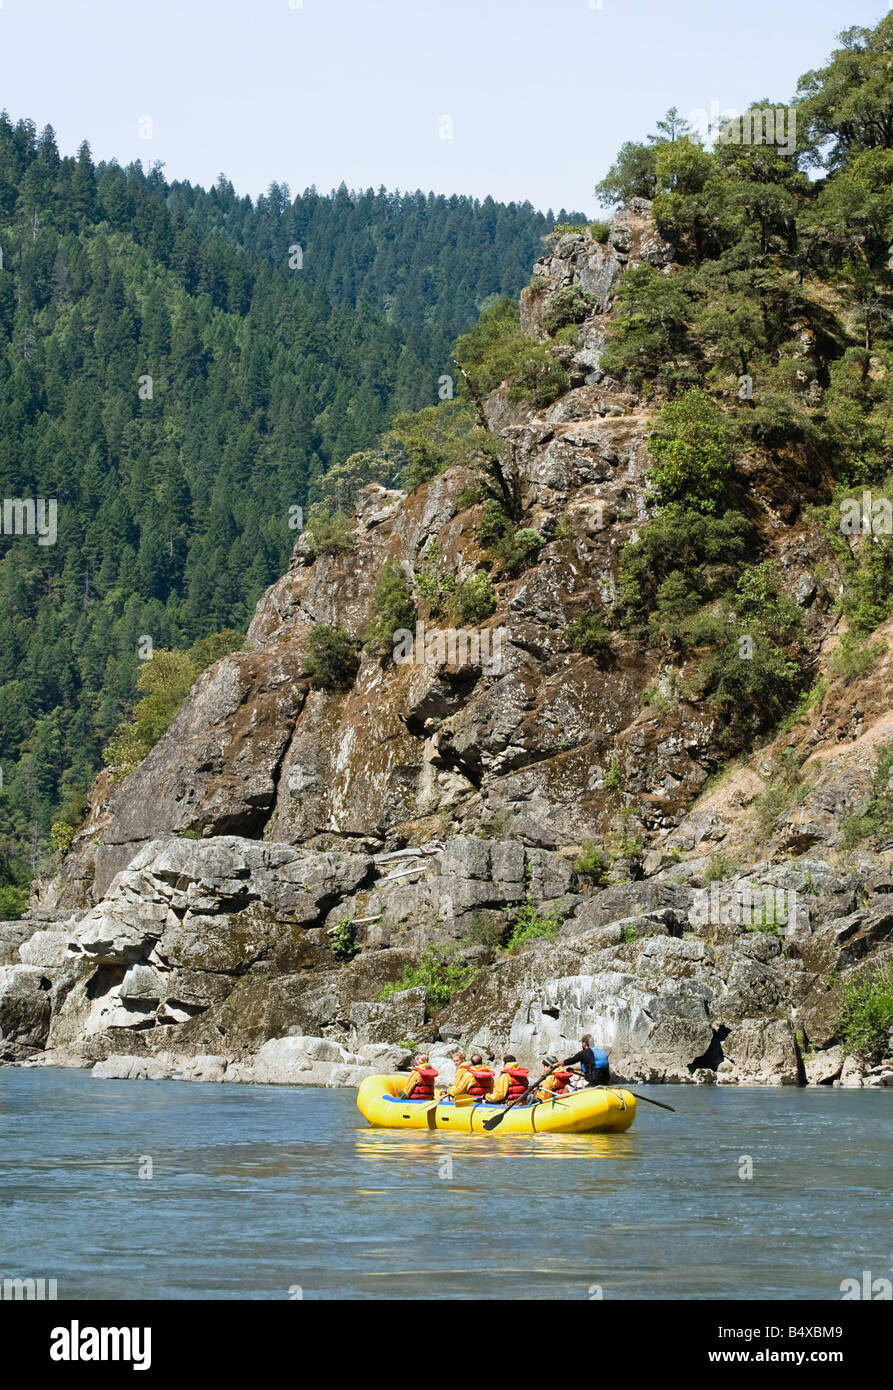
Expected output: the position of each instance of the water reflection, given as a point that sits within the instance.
(391, 1145)
(598, 1164)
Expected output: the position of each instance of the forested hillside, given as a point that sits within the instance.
(176, 378)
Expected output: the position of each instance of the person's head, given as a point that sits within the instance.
(422, 1059)
(476, 1059)
(550, 1061)
(587, 1039)
(458, 1056)
(509, 1059)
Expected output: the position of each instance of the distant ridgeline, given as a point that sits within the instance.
(177, 367)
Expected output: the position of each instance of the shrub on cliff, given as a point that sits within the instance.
(865, 1015)
(588, 634)
(393, 606)
(330, 661)
(339, 487)
(328, 532)
(681, 560)
(693, 447)
(497, 350)
(529, 923)
(438, 972)
(429, 441)
(875, 819)
(568, 306)
(512, 547)
(475, 598)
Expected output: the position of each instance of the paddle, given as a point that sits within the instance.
(645, 1098)
(661, 1104)
(498, 1119)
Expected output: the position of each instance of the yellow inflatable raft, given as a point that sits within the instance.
(596, 1110)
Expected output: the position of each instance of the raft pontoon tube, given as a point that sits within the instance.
(595, 1110)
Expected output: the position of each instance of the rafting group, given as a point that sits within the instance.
(478, 1083)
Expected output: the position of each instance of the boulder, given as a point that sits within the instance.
(25, 1005)
(852, 1073)
(763, 1052)
(823, 1067)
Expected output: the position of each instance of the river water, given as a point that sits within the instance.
(277, 1192)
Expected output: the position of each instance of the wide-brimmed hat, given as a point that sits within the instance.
(550, 1061)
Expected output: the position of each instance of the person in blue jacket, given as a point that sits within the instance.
(591, 1061)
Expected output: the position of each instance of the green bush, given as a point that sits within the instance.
(438, 972)
(340, 485)
(61, 836)
(330, 661)
(494, 523)
(429, 441)
(865, 1015)
(528, 922)
(613, 777)
(515, 550)
(433, 586)
(692, 445)
(497, 350)
(328, 532)
(680, 561)
(599, 230)
(568, 306)
(593, 862)
(344, 939)
(875, 820)
(392, 605)
(475, 599)
(589, 635)
(856, 656)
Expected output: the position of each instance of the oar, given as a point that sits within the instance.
(498, 1119)
(638, 1097)
(438, 1100)
(647, 1099)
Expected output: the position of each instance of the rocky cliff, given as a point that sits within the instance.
(196, 915)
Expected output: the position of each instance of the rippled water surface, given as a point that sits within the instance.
(257, 1191)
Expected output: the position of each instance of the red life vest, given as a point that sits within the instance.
(423, 1089)
(482, 1083)
(562, 1077)
(517, 1082)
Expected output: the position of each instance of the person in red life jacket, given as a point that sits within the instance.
(420, 1084)
(556, 1083)
(511, 1083)
(480, 1079)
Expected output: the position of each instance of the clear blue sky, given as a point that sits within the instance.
(540, 92)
